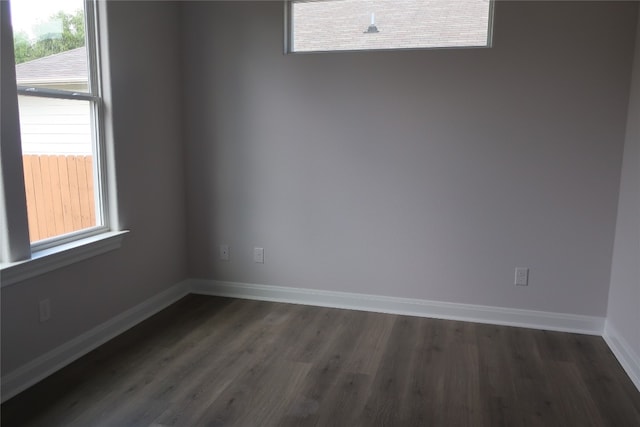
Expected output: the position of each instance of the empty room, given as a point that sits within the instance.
(320, 213)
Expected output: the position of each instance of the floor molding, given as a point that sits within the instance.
(629, 360)
(41, 367)
(441, 310)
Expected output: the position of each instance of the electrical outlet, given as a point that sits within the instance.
(44, 307)
(224, 252)
(522, 276)
(258, 255)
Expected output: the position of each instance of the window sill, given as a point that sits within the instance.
(50, 259)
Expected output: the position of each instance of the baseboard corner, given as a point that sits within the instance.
(629, 360)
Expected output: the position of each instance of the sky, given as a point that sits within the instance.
(25, 14)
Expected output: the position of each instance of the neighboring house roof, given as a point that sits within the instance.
(64, 67)
(344, 24)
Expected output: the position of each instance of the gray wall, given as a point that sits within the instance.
(624, 294)
(422, 174)
(145, 71)
(426, 174)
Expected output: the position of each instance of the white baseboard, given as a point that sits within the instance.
(41, 367)
(628, 358)
(441, 310)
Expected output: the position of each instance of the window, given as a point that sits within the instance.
(61, 144)
(59, 102)
(328, 25)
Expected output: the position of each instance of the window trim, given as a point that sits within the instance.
(94, 97)
(288, 36)
(61, 255)
(20, 260)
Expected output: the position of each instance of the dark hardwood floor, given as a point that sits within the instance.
(224, 362)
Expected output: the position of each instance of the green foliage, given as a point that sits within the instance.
(51, 42)
(22, 47)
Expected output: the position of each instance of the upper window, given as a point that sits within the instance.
(60, 107)
(328, 25)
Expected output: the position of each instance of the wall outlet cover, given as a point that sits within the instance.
(224, 252)
(258, 255)
(522, 276)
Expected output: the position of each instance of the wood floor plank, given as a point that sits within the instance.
(605, 380)
(185, 358)
(425, 390)
(572, 401)
(345, 402)
(261, 396)
(326, 369)
(224, 362)
(217, 372)
(252, 389)
(392, 377)
(460, 404)
(497, 383)
(370, 343)
(315, 335)
(533, 397)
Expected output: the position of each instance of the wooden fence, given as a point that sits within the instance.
(59, 194)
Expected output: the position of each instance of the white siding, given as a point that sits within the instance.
(55, 126)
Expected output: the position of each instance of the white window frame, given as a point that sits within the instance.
(94, 97)
(288, 34)
(20, 259)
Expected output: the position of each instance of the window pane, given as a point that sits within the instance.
(49, 42)
(388, 24)
(58, 158)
